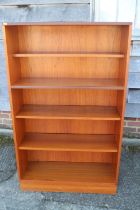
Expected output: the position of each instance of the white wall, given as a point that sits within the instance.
(118, 11)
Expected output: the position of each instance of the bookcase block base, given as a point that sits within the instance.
(37, 186)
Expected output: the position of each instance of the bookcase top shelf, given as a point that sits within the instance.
(66, 23)
(41, 83)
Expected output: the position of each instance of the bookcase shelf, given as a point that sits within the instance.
(111, 84)
(67, 88)
(68, 142)
(69, 54)
(68, 112)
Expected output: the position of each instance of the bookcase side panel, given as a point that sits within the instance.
(121, 99)
(13, 73)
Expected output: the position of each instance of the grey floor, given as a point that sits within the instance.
(127, 198)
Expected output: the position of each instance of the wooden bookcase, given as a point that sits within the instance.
(67, 86)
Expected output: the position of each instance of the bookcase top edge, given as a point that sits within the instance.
(65, 23)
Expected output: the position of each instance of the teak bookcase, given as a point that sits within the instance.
(67, 86)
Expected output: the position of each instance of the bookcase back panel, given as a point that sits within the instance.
(69, 38)
(70, 156)
(73, 67)
(70, 97)
(70, 126)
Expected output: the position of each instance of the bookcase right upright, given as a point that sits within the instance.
(67, 87)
